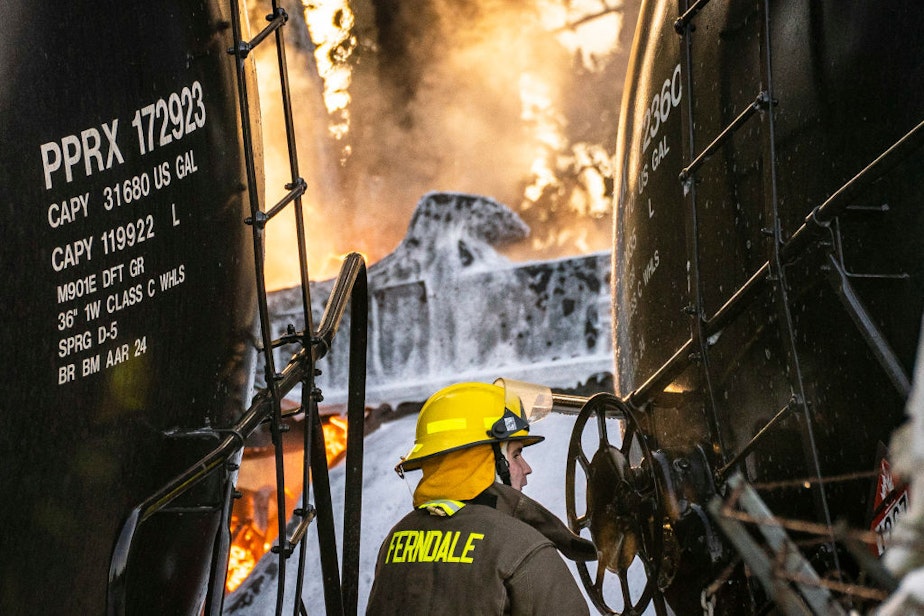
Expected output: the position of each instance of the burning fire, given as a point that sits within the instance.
(255, 520)
(368, 151)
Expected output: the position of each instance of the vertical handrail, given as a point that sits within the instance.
(295, 176)
(315, 472)
(778, 275)
(313, 434)
(699, 351)
(215, 597)
(320, 485)
(356, 410)
(257, 221)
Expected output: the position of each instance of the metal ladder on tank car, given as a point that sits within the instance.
(340, 586)
(772, 273)
(340, 589)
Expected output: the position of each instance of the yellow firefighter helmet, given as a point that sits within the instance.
(468, 414)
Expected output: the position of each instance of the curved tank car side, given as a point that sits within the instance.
(732, 300)
(128, 292)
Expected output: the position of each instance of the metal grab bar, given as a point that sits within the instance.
(341, 589)
(680, 26)
(762, 100)
(276, 20)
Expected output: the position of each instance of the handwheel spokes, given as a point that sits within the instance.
(617, 593)
(629, 438)
(601, 576)
(601, 430)
(582, 521)
(584, 462)
(622, 506)
(624, 586)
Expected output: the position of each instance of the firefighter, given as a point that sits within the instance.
(473, 545)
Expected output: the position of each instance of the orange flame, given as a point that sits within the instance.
(254, 518)
(554, 168)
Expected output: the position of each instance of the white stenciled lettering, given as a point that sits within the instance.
(186, 164)
(76, 288)
(68, 210)
(63, 257)
(169, 119)
(75, 344)
(123, 299)
(651, 267)
(661, 105)
(66, 319)
(136, 266)
(112, 275)
(71, 150)
(172, 278)
(659, 153)
(107, 332)
(116, 356)
(162, 175)
(125, 236)
(631, 245)
(66, 374)
(643, 179)
(92, 310)
(90, 365)
(127, 191)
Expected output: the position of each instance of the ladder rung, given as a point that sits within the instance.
(276, 21)
(289, 338)
(296, 189)
(299, 533)
(761, 101)
(784, 412)
(680, 26)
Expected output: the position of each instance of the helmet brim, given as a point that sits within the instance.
(412, 463)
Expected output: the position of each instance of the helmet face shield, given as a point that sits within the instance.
(535, 401)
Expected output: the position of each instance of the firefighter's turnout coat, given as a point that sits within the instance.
(484, 556)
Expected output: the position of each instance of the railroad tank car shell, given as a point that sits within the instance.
(128, 292)
(814, 93)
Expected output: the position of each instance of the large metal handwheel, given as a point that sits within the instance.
(622, 513)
